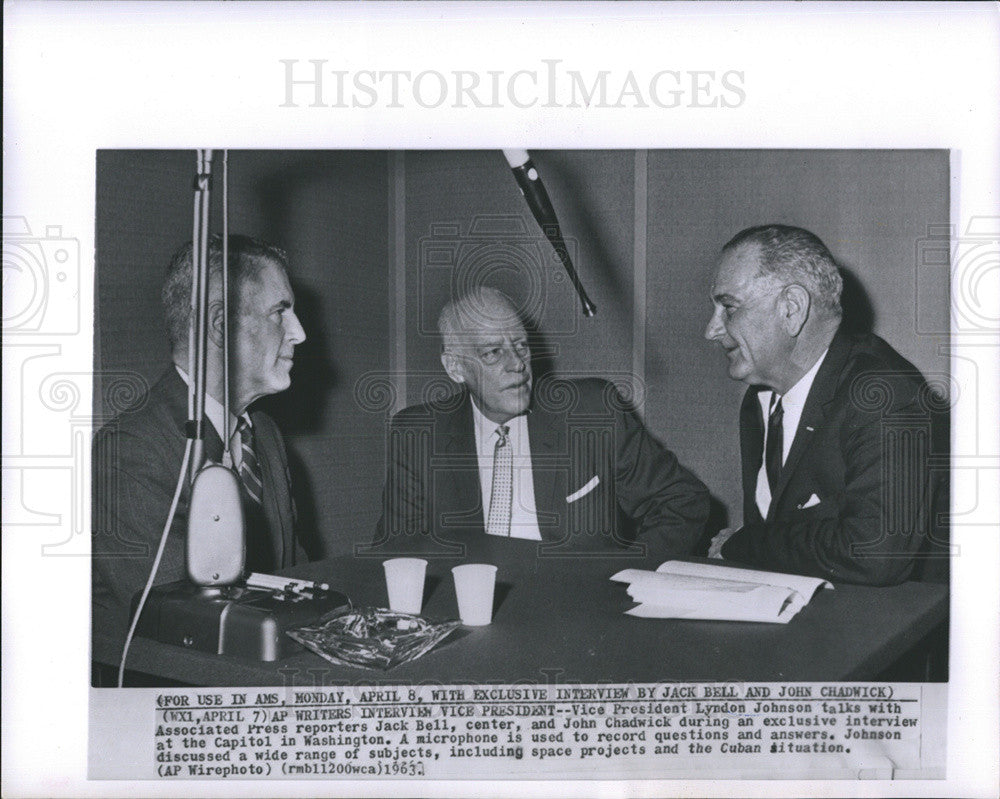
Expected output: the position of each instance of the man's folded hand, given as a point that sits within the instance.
(720, 538)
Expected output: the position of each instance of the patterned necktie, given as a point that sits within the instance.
(503, 480)
(250, 474)
(775, 442)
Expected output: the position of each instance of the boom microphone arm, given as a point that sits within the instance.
(538, 201)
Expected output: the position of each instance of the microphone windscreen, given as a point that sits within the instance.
(516, 158)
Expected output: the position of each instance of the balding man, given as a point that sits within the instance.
(835, 429)
(138, 455)
(565, 463)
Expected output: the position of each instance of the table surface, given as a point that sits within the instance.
(560, 620)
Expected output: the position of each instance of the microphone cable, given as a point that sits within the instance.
(156, 561)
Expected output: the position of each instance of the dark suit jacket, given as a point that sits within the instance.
(863, 449)
(578, 430)
(137, 458)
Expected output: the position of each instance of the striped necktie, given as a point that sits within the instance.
(773, 449)
(250, 474)
(503, 480)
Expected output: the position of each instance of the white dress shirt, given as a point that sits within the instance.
(523, 517)
(792, 404)
(215, 413)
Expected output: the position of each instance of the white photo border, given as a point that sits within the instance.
(88, 76)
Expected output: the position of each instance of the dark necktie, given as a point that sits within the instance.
(498, 521)
(775, 442)
(250, 474)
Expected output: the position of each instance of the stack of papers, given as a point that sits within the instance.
(679, 590)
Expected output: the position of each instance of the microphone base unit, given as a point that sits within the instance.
(234, 621)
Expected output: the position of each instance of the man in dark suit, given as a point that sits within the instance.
(566, 463)
(836, 430)
(137, 456)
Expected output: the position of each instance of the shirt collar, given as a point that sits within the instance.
(798, 393)
(485, 428)
(214, 410)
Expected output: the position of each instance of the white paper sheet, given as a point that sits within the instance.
(680, 590)
(804, 585)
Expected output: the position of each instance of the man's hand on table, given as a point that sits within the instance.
(720, 538)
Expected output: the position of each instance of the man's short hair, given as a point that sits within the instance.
(468, 313)
(793, 255)
(247, 257)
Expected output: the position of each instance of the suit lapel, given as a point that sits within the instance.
(213, 443)
(545, 435)
(751, 449)
(814, 412)
(176, 391)
(277, 492)
(460, 481)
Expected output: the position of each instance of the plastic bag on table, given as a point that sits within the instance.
(372, 638)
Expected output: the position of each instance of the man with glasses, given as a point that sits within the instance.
(565, 462)
(836, 430)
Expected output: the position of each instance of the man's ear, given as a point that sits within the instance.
(215, 322)
(795, 307)
(453, 366)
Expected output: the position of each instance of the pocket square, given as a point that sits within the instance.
(812, 502)
(591, 485)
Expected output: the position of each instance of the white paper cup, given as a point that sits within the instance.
(404, 580)
(474, 584)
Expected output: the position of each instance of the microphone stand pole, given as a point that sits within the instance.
(198, 364)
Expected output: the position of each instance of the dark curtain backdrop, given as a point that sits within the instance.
(379, 241)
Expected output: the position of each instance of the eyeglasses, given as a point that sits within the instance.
(491, 356)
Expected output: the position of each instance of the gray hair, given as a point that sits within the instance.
(247, 257)
(468, 314)
(794, 255)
